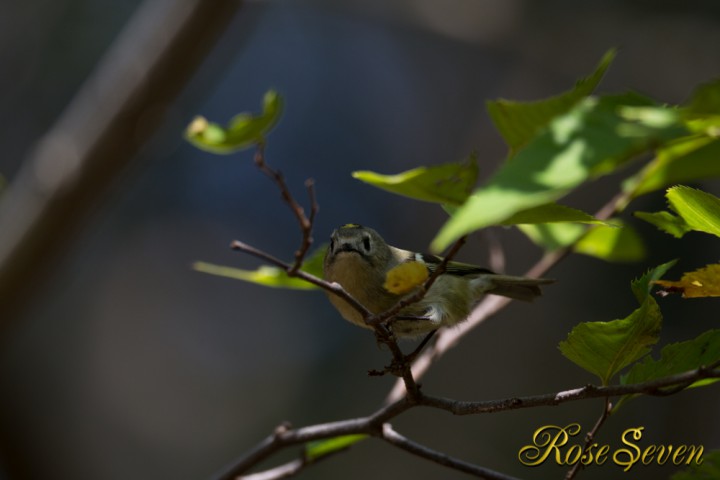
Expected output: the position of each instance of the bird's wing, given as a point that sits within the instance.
(453, 268)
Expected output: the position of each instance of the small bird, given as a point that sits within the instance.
(359, 259)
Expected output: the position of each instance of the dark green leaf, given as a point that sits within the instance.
(605, 348)
(642, 286)
(243, 131)
(519, 122)
(450, 183)
(678, 358)
(315, 450)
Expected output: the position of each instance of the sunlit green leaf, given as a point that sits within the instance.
(269, 276)
(700, 210)
(678, 358)
(690, 158)
(593, 138)
(450, 183)
(605, 348)
(519, 122)
(666, 221)
(243, 131)
(642, 286)
(709, 469)
(612, 243)
(315, 450)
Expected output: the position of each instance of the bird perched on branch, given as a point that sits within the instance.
(378, 275)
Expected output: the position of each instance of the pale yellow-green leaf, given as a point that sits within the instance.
(700, 210)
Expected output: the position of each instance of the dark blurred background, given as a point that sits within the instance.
(128, 364)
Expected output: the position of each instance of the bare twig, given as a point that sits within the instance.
(319, 282)
(394, 438)
(590, 437)
(374, 424)
(305, 223)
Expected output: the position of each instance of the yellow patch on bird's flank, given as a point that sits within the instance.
(405, 277)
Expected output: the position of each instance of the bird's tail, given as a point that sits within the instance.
(518, 288)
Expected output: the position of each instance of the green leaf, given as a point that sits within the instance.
(244, 130)
(519, 122)
(700, 210)
(642, 286)
(551, 213)
(678, 358)
(709, 469)
(687, 159)
(315, 450)
(593, 138)
(605, 348)
(665, 221)
(450, 183)
(270, 276)
(620, 243)
(553, 236)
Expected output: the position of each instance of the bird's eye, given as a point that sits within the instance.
(366, 243)
(332, 244)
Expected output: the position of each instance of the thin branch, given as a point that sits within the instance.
(319, 282)
(284, 437)
(496, 252)
(397, 440)
(304, 222)
(653, 388)
(590, 437)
